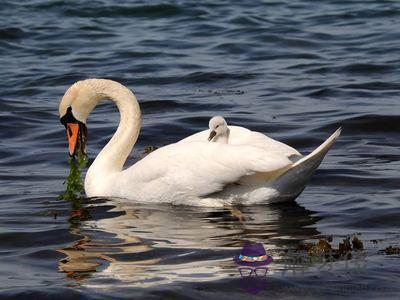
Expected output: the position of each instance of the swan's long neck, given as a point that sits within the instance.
(113, 156)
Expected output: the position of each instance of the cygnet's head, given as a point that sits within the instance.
(218, 128)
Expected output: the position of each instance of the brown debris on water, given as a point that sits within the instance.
(321, 247)
(149, 149)
(324, 248)
(392, 250)
(345, 246)
(357, 244)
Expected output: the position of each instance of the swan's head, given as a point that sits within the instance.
(218, 127)
(75, 106)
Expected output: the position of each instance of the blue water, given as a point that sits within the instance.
(295, 70)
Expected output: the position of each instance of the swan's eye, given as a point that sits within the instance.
(217, 126)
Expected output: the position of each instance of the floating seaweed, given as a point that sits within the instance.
(344, 247)
(324, 248)
(392, 250)
(357, 244)
(149, 149)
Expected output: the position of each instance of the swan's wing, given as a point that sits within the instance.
(242, 136)
(201, 136)
(203, 168)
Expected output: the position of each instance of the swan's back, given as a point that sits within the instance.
(243, 136)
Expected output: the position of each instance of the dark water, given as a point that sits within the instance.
(294, 70)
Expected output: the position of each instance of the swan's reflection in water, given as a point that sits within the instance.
(144, 245)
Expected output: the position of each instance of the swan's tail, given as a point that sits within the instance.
(292, 182)
(319, 153)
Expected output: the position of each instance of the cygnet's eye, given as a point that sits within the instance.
(217, 126)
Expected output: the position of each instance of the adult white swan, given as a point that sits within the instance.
(252, 168)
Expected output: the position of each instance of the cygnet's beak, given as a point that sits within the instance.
(212, 135)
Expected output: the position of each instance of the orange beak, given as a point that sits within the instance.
(72, 136)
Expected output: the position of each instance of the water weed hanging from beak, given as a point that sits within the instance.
(74, 185)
